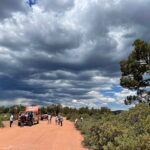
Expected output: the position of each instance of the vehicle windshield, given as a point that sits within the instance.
(26, 113)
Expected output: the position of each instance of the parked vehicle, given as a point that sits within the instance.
(44, 116)
(29, 117)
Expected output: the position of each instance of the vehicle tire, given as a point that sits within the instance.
(19, 124)
(30, 123)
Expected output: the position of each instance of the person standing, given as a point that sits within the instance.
(49, 118)
(76, 121)
(61, 120)
(11, 119)
(57, 120)
(81, 119)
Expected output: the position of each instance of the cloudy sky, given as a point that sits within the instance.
(68, 51)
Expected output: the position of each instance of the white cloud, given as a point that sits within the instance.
(120, 96)
(99, 97)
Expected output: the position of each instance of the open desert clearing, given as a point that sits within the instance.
(42, 136)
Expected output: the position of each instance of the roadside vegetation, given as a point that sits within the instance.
(1, 124)
(129, 130)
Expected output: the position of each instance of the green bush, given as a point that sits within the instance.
(129, 130)
(1, 124)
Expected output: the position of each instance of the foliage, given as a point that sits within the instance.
(129, 130)
(1, 124)
(136, 72)
(51, 109)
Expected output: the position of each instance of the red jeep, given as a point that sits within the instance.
(29, 117)
(44, 116)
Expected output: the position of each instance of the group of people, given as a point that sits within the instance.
(59, 120)
(77, 120)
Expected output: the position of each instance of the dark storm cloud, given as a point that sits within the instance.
(57, 5)
(64, 51)
(7, 7)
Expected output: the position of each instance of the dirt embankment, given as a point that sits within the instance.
(43, 136)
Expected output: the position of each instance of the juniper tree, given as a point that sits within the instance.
(136, 72)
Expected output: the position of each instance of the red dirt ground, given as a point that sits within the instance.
(43, 136)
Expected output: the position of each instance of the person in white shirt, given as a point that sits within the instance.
(76, 120)
(81, 119)
(49, 118)
(11, 119)
(57, 120)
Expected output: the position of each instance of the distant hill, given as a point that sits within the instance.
(115, 112)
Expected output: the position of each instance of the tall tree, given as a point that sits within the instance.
(136, 72)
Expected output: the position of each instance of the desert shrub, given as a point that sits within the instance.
(101, 132)
(5, 117)
(1, 124)
(129, 130)
(130, 142)
(134, 115)
(72, 116)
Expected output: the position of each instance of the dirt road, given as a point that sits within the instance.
(43, 136)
